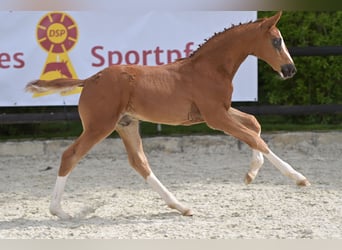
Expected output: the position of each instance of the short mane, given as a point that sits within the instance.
(224, 31)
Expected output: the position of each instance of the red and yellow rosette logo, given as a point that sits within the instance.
(57, 34)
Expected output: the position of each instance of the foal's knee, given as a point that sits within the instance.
(253, 124)
(259, 144)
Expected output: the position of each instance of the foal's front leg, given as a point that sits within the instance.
(251, 123)
(224, 121)
(287, 170)
(129, 133)
(255, 165)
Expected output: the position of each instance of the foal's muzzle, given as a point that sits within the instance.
(288, 70)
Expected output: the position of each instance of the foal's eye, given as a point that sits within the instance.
(276, 43)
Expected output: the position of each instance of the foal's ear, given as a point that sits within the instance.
(271, 21)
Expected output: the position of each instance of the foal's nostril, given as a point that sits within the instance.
(288, 70)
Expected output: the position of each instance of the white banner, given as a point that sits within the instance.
(48, 45)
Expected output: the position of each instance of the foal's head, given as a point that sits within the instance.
(271, 48)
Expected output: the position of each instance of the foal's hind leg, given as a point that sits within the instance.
(128, 130)
(70, 158)
(257, 157)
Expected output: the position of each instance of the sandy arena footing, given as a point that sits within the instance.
(109, 200)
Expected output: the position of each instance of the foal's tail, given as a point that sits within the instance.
(58, 85)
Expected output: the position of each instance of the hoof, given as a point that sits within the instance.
(61, 214)
(187, 213)
(304, 183)
(183, 210)
(248, 179)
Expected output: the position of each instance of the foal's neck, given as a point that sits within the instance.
(226, 51)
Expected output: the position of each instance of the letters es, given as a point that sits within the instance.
(8, 60)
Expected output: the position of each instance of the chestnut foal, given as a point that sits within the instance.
(189, 91)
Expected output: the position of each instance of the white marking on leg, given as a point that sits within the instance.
(286, 169)
(256, 163)
(166, 195)
(55, 205)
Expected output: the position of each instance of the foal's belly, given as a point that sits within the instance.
(165, 110)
